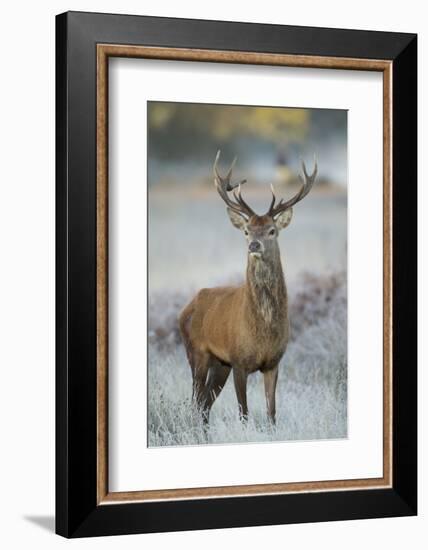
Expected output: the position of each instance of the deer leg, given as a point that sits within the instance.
(217, 377)
(200, 371)
(270, 379)
(240, 380)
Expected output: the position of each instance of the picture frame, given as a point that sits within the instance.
(84, 44)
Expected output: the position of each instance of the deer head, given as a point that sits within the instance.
(261, 232)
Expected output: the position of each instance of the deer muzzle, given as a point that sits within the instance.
(255, 248)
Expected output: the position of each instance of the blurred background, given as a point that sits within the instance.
(183, 139)
(193, 245)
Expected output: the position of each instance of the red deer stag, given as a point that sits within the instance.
(245, 328)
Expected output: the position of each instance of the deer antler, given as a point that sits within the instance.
(224, 185)
(307, 183)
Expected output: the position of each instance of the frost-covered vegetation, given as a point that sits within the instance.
(312, 385)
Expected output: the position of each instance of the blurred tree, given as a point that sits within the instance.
(174, 127)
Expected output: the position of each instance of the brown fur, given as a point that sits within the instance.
(242, 328)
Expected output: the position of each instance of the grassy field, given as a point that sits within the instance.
(311, 392)
(193, 245)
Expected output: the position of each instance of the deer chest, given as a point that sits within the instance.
(263, 352)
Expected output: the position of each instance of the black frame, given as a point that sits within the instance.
(77, 513)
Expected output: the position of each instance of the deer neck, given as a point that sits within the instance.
(266, 290)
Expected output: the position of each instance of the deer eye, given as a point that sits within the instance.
(245, 232)
(272, 232)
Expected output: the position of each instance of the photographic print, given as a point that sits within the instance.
(247, 272)
(226, 243)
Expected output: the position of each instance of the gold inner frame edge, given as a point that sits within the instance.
(104, 51)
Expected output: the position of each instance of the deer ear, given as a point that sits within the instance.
(238, 221)
(284, 219)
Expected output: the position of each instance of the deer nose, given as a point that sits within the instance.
(254, 246)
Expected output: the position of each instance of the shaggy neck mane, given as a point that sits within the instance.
(266, 288)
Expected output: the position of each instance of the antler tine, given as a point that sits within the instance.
(216, 174)
(310, 179)
(307, 184)
(232, 166)
(240, 200)
(225, 181)
(272, 204)
(223, 186)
